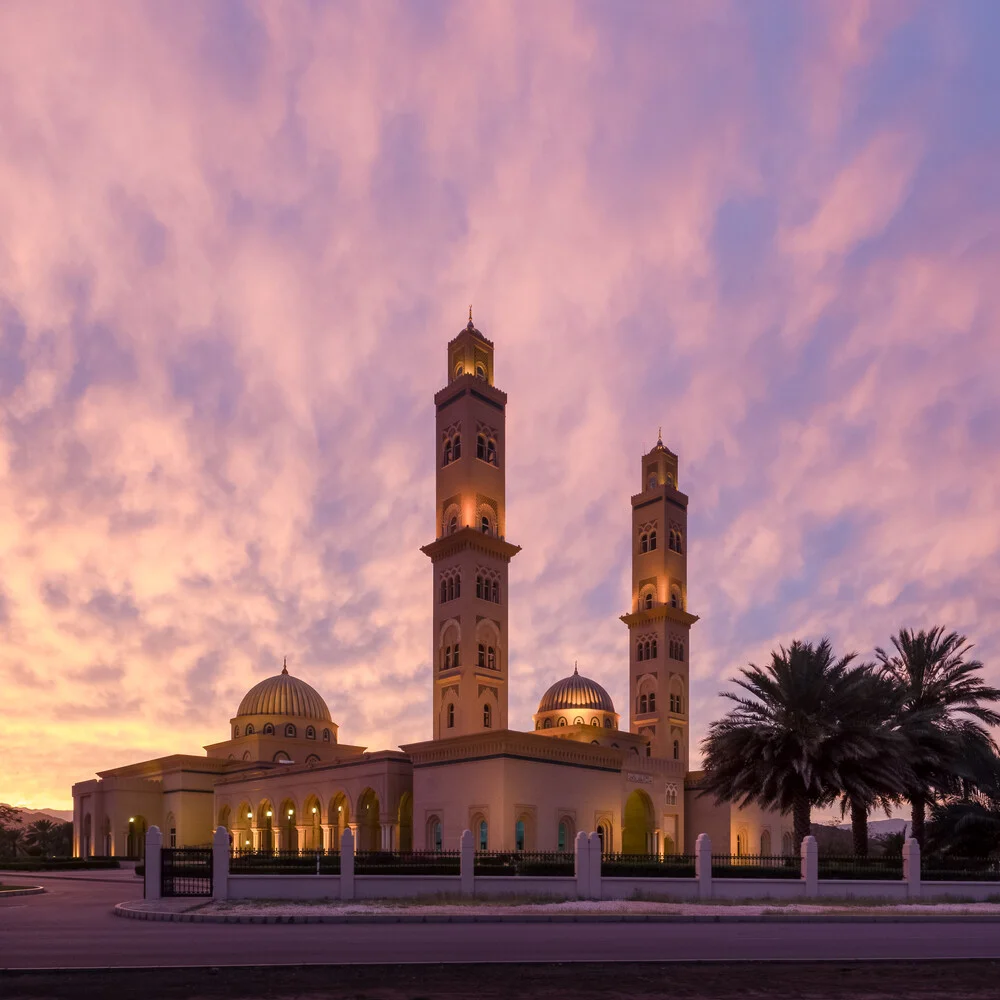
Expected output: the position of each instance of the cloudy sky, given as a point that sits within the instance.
(235, 239)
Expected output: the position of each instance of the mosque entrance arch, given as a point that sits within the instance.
(369, 830)
(265, 826)
(135, 844)
(639, 832)
(339, 818)
(406, 822)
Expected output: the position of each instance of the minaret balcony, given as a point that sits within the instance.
(659, 612)
(470, 538)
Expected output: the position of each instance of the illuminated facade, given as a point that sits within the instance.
(282, 780)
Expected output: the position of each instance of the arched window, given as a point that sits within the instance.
(649, 601)
(454, 656)
(290, 731)
(236, 732)
(479, 586)
(487, 716)
(563, 836)
(491, 658)
(312, 759)
(268, 729)
(496, 592)
(680, 651)
(670, 480)
(765, 843)
(653, 647)
(446, 664)
(548, 724)
(451, 716)
(675, 599)
(652, 701)
(638, 652)
(642, 704)
(562, 720)
(482, 655)
(491, 451)
(310, 732)
(607, 723)
(670, 541)
(786, 844)
(678, 547)
(480, 371)
(741, 845)
(447, 453)
(644, 542)
(645, 650)
(451, 589)
(481, 446)
(653, 482)
(483, 835)
(538, 724)
(519, 835)
(652, 541)
(457, 448)
(249, 731)
(326, 735)
(578, 721)
(458, 585)
(459, 371)
(436, 834)
(677, 749)
(595, 721)
(453, 525)
(484, 524)
(444, 591)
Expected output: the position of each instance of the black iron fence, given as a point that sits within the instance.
(756, 866)
(245, 862)
(186, 871)
(407, 863)
(524, 863)
(852, 866)
(647, 866)
(949, 869)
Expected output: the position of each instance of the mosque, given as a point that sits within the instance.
(284, 780)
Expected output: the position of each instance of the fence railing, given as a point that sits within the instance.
(851, 866)
(756, 866)
(647, 866)
(524, 863)
(949, 869)
(407, 863)
(186, 871)
(247, 862)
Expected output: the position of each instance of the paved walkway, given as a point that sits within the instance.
(71, 925)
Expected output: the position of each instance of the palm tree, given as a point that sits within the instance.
(793, 735)
(42, 835)
(943, 709)
(877, 781)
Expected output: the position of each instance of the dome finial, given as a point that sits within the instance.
(659, 436)
(284, 665)
(575, 671)
(470, 326)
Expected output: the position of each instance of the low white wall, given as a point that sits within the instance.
(846, 888)
(758, 888)
(978, 891)
(627, 888)
(284, 887)
(525, 885)
(404, 886)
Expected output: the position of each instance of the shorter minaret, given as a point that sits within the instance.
(659, 624)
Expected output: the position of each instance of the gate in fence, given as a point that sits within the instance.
(186, 871)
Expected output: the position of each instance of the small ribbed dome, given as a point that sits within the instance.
(285, 695)
(576, 692)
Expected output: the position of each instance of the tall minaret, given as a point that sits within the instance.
(659, 625)
(470, 555)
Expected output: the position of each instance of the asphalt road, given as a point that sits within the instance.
(72, 926)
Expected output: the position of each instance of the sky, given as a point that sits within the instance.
(235, 239)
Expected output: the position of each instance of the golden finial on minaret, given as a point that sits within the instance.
(471, 327)
(284, 665)
(659, 435)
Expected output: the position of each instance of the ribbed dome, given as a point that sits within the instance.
(576, 692)
(284, 694)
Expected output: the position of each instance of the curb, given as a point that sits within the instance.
(127, 911)
(31, 890)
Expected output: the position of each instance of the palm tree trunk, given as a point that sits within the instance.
(801, 819)
(859, 828)
(917, 804)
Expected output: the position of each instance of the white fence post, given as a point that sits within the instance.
(153, 884)
(220, 864)
(581, 865)
(911, 867)
(810, 865)
(347, 864)
(468, 864)
(703, 865)
(596, 886)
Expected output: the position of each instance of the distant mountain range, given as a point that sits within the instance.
(56, 815)
(880, 827)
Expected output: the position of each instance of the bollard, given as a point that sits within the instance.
(911, 868)
(703, 865)
(581, 865)
(467, 853)
(153, 880)
(347, 864)
(810, 865)
(220, 864)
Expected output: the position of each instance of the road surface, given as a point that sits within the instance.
(72, 926)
